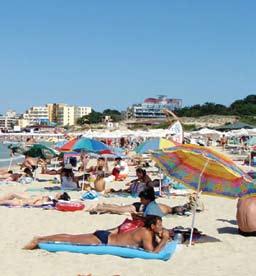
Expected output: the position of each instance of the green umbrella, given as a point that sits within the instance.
(41, 151)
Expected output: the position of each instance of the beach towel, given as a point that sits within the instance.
(129, 225)
(118, 194)
(49, 189)
(46, 206)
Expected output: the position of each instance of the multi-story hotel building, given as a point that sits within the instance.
(153, 107)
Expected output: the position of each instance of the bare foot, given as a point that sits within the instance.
(32, 245)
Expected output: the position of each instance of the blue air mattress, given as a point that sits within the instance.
(126, 252)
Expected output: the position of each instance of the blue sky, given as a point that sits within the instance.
(110, 54)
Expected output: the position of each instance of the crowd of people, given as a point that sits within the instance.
(150, 235)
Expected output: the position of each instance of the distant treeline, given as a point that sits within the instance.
(245, 107)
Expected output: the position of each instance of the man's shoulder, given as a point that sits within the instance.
(143, 231)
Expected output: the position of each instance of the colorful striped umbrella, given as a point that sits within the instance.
(68, 146)
(205, 169)
(154, 144)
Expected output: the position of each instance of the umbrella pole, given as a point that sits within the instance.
(160, 182)
(194, 209)
(10, 164)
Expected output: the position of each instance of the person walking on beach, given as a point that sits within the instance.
(152, 237)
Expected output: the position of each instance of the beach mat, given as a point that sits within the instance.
(43, 206)
(44, 189)
(49, 189)
(118, 194)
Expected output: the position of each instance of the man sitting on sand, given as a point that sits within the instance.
(151, 237)
(246, 216)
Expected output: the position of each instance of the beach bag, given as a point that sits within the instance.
(130, 225)
(89, 195)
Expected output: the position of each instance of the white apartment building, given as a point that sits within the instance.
(37, 115)
(81, 111)
(66, 115)
(9, 120)
(61, 114)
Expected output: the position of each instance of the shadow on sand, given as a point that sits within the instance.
(228, 230)
(231, 221)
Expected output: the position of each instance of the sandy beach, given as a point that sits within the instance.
(233, 255)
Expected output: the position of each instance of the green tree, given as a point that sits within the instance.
(244, 107)
(94, 117)
(82, 121)
(115, 115)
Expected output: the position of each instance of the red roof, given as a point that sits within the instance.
(151, 100)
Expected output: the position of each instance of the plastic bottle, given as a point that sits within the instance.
(178, 238)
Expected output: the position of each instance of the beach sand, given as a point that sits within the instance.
(234, 255)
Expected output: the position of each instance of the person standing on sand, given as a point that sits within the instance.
(246, 216)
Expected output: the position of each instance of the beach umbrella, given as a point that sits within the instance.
(115, 152)
(68, 146)
(90, 145)
(204, 169)
(41, 151)
(251, 142)
(59, 144)
(154, 144)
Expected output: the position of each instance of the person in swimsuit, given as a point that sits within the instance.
(10, 176)
(152, 237)
(138, 208)
(246, 216)
(68, 180)
(20, 200)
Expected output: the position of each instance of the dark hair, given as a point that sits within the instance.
(101, 158)
(28, 172)
(118, 158)
(148, 193)
(67, 172)
(140, 170)
(149, 220)
(65, 196)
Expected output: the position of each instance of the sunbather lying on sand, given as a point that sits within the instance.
(151, 237)
(10, 176)
(139, 208)
(19, 200)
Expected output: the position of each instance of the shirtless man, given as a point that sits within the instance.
(246, 216)
(151, 237)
